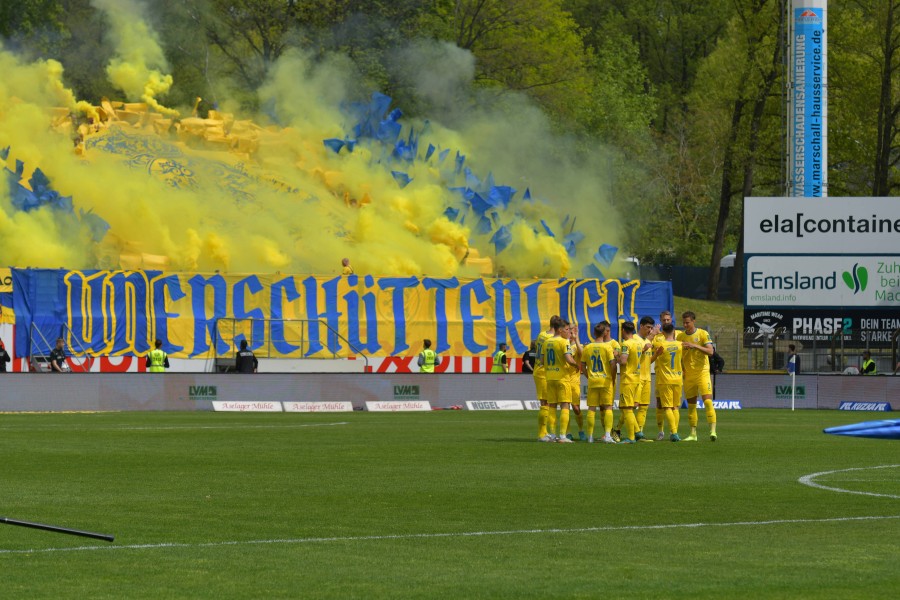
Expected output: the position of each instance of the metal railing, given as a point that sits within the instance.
(752, 350)
(39, 361)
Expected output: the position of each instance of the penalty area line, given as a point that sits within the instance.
(809, 480)
(460, 534)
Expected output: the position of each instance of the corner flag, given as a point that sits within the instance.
(792, 364)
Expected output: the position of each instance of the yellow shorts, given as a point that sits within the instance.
(628, 394)
(697, 385)
(575, 391)
(644, 395)
(540, 387)
(557, 391)
(599, 396)
(669, 394)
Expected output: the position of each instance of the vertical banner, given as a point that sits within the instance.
(808, 152)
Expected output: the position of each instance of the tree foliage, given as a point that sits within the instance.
(684, 99)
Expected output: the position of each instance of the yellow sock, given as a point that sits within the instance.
(672, 418)
(677, 414)
(579, 418)
(563, 422)
(621, 420)
(551, 419)
(710, 411)
(542, 420)
(591, 422)
(660, 417)
(642, 416)
(607, 420)
(692, 415)
(630, 423)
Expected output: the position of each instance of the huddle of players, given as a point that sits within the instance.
(681, 359)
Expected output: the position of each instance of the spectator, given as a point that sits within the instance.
(346, 268)
(58, 358)
(245, 362)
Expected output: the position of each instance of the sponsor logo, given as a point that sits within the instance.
(494, 405)
(308, 407)
(202, 392)
(532, 405)
(783, 392)
(247, 406)
(809, 17)
(717, 405)
(406, 392)
(398, 406)
(765, 322)
(867, 406)
(856, 279)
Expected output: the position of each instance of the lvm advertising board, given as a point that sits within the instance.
(822, 269)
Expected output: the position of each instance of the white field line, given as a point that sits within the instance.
(808, 480)
(173, 427)
(427, 536)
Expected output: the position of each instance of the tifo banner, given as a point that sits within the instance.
(203, 315)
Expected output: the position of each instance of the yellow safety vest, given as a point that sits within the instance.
(866, 364)
(429, 357)
(499, 367)
(157, 361)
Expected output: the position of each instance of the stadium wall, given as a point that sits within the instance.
(198, 391)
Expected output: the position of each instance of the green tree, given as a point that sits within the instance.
(864, 97)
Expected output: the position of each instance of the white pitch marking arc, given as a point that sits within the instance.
(808, 480)
(176, 427)
(459, 534)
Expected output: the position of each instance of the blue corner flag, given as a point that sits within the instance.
(792, 364)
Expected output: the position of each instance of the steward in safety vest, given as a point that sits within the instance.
(500, 364)
(428, 358)
(157, 360)
(868, 365)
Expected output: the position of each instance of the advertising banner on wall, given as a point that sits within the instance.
(873, 328)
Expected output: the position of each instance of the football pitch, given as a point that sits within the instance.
(448, 504)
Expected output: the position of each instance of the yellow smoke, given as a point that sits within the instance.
(139, 64)
(227, 193)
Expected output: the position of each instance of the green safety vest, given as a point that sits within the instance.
(429, 357)
(866, 364)
(499, 367)
(157, 361)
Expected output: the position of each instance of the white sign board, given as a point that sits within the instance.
(821, 225)
(848, 281)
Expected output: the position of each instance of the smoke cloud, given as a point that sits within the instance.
(262, 193)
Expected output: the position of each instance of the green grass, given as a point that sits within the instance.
(207, 505)
(713, 315)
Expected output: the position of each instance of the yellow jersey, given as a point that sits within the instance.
(597, 358)
(695, 362)
(646, 359)
(630, 372)
(668, 364)
(554, 358)
(539, 351)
